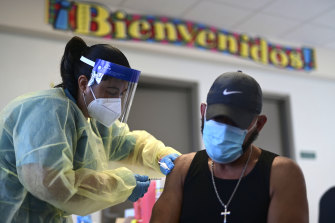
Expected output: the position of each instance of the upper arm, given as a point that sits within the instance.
(288, 193)
(168, 206)
(43, 140)
(44, 134)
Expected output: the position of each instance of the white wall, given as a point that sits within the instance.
(31, 51)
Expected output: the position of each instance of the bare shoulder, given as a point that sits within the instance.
(182, 164)
(283, 166)
(184, 161)
(286, 173)
(186, 157)
(167, 209)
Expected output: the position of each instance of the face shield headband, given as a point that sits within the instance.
(103, 67)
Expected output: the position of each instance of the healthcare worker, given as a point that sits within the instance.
(55, 145)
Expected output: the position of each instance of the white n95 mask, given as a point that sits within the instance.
(105, 110)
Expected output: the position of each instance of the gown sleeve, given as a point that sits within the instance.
(137, 150)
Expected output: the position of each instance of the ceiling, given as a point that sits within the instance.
(309, 23)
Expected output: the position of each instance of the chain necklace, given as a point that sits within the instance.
(225, 206)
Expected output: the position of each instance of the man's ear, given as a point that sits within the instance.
(261, 122)
(82, 83)
(203, 107)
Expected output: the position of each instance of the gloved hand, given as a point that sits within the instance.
(166, 163)
(142, 184)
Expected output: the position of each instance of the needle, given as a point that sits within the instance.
(155, 178)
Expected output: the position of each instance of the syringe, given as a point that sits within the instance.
(164, 165)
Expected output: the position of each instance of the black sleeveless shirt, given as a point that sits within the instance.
(249, 205)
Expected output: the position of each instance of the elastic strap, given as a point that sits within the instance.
(87, 61)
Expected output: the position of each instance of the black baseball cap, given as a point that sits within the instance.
(235, 95)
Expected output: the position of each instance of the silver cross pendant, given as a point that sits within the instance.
(225, 213)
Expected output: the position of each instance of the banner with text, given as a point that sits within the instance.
(95, 20)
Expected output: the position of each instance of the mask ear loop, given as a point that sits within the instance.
(255, 125)
(85, 100)
(205, 112)
(252, 137)
(92, 93)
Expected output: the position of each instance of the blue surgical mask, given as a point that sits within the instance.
(223, 142)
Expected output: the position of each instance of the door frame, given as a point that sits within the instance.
(190, 86)
(286, 128)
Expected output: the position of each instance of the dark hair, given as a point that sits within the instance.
(71, 67)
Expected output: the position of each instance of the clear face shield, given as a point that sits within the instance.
(131, 76)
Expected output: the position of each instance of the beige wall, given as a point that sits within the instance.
(31, 51)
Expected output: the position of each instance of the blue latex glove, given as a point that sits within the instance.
(142, 184)
(84, 219)
(166, 163)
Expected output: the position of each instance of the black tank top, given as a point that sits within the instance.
(249, 205)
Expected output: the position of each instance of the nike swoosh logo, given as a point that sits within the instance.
(226, 92)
